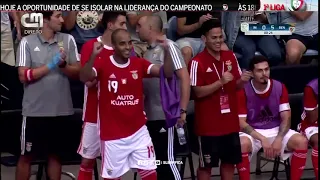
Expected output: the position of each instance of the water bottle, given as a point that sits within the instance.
(181, 135)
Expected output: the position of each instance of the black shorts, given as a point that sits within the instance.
(41, 136)
(226, 148)
(310, 42)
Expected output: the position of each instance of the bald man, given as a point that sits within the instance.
(149, 29)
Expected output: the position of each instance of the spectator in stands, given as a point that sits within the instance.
(7, 48)
(47, 105)
(133, 18)
(83, 25)
(246, 46)
(305, 35)
(309, 125)
(264, 115)
(188, 27)
(215, 75)
(149, 28)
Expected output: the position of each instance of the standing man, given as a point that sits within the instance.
(265, 119)
(89, 147)
(215, 76)
(126, 142)
(309, 124)
(149, 29)
(45, 62)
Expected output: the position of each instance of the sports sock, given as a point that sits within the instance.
(244, 167)
(298, 163)
(85, 173)
(147, 174)
(314, 158)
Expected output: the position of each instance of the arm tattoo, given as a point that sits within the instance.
(284, 128)
(248, 129)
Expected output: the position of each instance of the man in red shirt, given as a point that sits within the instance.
(215, 76)
(126, 142)
(264, 115)
(309, 124)
(89, 147)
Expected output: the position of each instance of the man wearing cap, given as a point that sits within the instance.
(149, 28)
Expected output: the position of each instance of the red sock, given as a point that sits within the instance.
(314, 157)
(244, 167)
(85, 173)
(298, 163)
(147, 174)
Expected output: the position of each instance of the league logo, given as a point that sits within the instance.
(225, 7)
(298, 5)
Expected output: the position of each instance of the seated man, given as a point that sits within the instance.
(304, 37)
(309, 125)
(264, 114)
(188, 28)
(133, 17)
(268, 46)
(83, 25)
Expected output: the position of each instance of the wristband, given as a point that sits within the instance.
(28, 75)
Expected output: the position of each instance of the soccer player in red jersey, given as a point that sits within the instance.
(309, 124)
(265, 118)
(126, 142)
(215, 76)
(89, 147)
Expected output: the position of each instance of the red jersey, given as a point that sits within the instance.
(204, 70)
(121, 96)
(242, 99)
(310, 103)
(90, 105)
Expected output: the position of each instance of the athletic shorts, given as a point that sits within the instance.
(310, 131)
(271, 135)
(213, 149)
(89, 147)
(310, 42)
(196, 44)
(41, 136)
(132, 152)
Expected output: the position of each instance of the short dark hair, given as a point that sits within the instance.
(256, 60)
(115, 33)
(210, 24)
(110, 16)
(46, 14)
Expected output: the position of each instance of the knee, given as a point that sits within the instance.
(206, 170)
(87, 163)
(245, 144)
(314, 141)
(186, 53)
(25, 159)
(300, 143)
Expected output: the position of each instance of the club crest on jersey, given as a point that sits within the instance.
(60, 44)
(109, 171)
(229, 65)
(134, 74)
(28, 146)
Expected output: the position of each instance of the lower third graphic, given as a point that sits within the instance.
(156, 162)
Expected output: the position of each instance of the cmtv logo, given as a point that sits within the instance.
(32, 20)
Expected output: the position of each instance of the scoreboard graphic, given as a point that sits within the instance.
(267, 29)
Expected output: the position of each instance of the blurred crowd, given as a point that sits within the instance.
(183, 27)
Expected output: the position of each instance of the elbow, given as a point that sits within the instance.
(180, 31)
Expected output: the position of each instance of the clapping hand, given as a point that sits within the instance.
(226, 77)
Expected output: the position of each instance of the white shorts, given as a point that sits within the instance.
(270, 134)
(121, 155)
(310, 131)
(89, 147)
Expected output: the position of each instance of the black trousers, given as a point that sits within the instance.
(163, 141)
